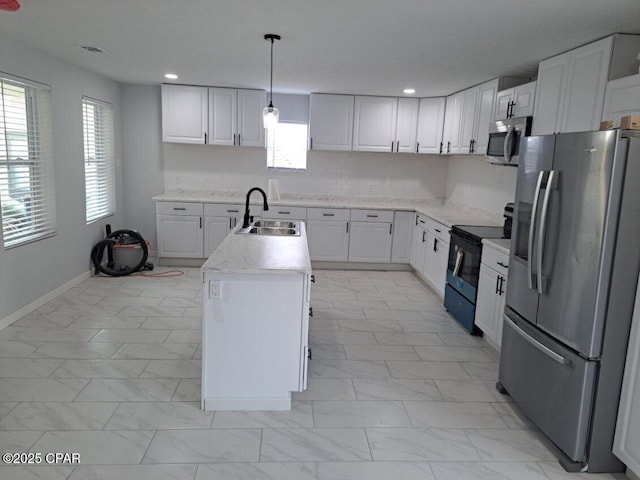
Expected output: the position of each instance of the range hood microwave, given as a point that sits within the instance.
(504, 140)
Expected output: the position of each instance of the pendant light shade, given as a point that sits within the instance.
(270, 114)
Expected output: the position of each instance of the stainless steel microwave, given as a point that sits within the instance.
(504, 140)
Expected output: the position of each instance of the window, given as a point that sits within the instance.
(97, 120)
(287, 146)
(26, 162)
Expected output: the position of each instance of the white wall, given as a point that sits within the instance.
(30, 271)
(473, 182)
(201, 167)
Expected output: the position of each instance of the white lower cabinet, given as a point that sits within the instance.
(626, 444)
(402, 236)
(419, 243)
(492, 288)
(328, 234)
(220, 219)
(370, 236)
(436, 259)
(179, 228)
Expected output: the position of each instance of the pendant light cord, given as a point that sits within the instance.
(271, 83)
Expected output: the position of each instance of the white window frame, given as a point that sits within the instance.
(271, 146)
(26, 164)
(99, 161)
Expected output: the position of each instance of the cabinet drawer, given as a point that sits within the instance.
(337, 214)
(494, 259)
(284, 212)
(372, 216)
(438, 230)
(422, 220)
(179, 208)
(230, 210)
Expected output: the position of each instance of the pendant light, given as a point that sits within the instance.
(270, 113)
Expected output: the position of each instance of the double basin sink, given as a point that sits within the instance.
(271, 227)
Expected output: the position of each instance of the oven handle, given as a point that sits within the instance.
(459, 257)
(535, 343)
(552, 184)
(507, 144)
(533, 281)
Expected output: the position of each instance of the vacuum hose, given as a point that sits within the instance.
(119, 237)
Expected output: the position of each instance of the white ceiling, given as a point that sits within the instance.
(373, 47)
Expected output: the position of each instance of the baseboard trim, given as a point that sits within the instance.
(14, 317)
(388, 267)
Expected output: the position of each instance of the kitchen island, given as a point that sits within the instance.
(256, 292)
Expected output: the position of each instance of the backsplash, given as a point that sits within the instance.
(229, 169)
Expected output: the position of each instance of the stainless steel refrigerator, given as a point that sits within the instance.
(573, 270)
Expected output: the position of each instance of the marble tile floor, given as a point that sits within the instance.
(111, 370)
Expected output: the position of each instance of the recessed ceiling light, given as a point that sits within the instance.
(171, 76)
(409, 91)
(92, 49)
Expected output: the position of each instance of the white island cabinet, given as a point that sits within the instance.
(256, 293)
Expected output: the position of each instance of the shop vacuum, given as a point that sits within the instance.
(127, 253)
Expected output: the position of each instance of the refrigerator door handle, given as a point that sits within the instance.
(535, 343)
(534, 212)
(552, 184)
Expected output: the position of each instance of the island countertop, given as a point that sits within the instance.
(247, 253)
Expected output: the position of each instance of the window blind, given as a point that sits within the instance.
(98, 159)
(26, 161)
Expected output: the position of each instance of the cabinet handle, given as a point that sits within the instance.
(205, 138)
(200, 223)
(328, 215)
(423, 232)
(417, 219)
(390, 228)
(498, 285)
(503, 265)
(435, 244)
(392, 146)
(448, 147)
(372, 216)
(182, 209)
(234, 139)
(311, 143)
(441, 145)
(437, 230)
(313, 278)
(235, 222)
(311, 311)
(397, 146)
(239, 143)
(229, 223)
(418, 147)
(284, 213)
(501, 291)
(233, 211)
(347, 227)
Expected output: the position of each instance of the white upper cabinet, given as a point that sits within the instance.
(452, 122)
(622, 98)
(469, 109)
(570, 89)
(484, 116)
(374, 124)
(184, 114)
(407, 125)
(515, 102)
(430, 125)
(331, 122)
(235, 117)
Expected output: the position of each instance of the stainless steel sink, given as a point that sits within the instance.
(272, 227)
(274, 224)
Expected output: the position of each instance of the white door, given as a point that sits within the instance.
(488, 284)
(622, 98)
(374, 124)
(216, 230)
(331, 122)
(453, 142)
(549, 101)
(370, 242)
(523, 98)
(430, 125)
(436, 257)
(470, 104)
(503, 104)
(250, 125)
(484, 114)
(328, 240)
(223, 107)
(407, 125)
(184, 114)
(403, 223)
(180, 236)
(586, 86)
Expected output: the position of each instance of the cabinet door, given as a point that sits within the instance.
(523, 98)
(418, 249)
(223, 107)
(622, 98)
(250, 127)
(503, 104)
(484, 114)
(216, 230)
(328, 240)
(430, 125)
(469, 109)
(184, 114)
(370, 242)
(549, 101)
(331, 122)
(587, 82)
(402, 235)
(374, 124)
(436, 257)
(180, 236)
(453, 120)
(407, 125)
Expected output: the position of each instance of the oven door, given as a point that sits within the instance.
(463, 268)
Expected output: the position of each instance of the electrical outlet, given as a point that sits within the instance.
(214, 289)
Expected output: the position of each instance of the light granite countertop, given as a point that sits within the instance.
(447, 214)
(499, 244)
(257, 254)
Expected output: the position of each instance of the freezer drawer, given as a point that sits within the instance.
(553, 385)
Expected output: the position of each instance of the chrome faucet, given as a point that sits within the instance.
(247, 217)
